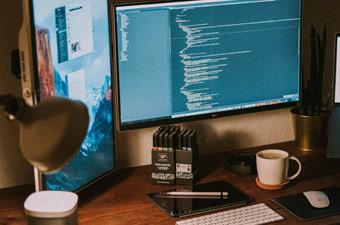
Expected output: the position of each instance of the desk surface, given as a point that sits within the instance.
(125, 200)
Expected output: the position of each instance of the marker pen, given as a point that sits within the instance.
(189, 138)
(160, 141)
(162, 128)
(165, 142)
(179, 141)
(178, 129)
(171, 141)
(184, 141)
(155, 141)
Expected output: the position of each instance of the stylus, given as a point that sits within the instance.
(197, 193)
(191, 196)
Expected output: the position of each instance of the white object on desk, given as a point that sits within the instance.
(272, 166)
(247, 215)
(196, 193)
(51, 208)
(318, 199)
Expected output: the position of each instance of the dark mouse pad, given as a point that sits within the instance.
(298, 205)
(179, 207)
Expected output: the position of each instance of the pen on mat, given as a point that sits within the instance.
(196, 193)
(192, 195)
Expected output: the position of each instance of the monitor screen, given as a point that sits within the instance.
(72, 58)
(337, 70)
(186, 60)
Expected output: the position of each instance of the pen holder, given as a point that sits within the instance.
(174, 156)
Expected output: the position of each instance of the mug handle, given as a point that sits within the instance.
(299, 169)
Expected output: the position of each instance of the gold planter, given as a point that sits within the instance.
(311, 132)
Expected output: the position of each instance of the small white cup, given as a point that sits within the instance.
(272, 166)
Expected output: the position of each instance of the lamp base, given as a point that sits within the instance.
(51, 208)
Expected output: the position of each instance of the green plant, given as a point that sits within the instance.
(312, 102)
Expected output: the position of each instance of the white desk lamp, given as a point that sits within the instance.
(50, 134)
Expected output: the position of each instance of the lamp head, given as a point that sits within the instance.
(50, 132)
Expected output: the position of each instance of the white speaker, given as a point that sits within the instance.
(51, 208)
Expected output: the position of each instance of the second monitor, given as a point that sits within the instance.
(65, 51)
(201, 59)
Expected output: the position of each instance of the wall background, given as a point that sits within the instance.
(216, 135)
(133, 147)
(13, 168)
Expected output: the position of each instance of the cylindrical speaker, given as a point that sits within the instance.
(51, 208)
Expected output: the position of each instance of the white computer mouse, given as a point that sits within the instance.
(317, 199)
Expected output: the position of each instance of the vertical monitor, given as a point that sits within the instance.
(337, 70)
(186, 60)
(72, 58)
(333, 140)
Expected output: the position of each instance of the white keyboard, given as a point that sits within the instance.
(247, 215)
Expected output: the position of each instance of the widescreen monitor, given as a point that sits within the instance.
(65, 51)
(187, 60)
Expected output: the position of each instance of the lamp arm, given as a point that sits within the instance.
(38, 180)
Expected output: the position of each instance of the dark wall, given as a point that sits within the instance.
(320, 14)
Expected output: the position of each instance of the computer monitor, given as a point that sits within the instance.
(188, 60)
(333, 142)
(65, 51)
(337, 70)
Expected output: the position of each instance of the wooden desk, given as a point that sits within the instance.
(125, 201)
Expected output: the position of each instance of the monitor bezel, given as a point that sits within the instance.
(336, 45)
(107, 176)
(169, 120)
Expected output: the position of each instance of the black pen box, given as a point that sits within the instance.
(186, 166)
(163, 167)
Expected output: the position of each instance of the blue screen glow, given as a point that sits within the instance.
(191, 58)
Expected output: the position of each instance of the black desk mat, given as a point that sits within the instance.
(180, 207)
(298, 205)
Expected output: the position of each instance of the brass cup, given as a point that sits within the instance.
(311, 132)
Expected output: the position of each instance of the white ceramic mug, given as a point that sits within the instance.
(272, 166)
